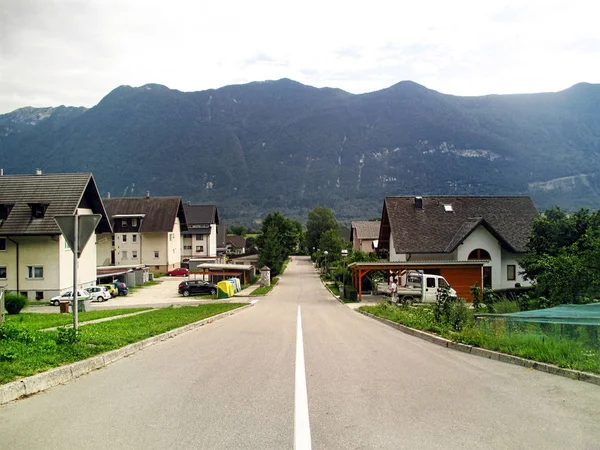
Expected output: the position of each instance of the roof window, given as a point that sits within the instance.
(38, 210)
(5, 211)
(448, 207)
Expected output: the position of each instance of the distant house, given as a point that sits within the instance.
(235, 244)
(147, 230)
(200, 238)
(364, 235)
(35, 259)
(491, 230)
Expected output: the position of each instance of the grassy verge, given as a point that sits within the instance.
(25, 351)
(37, 321)
(532, 344)
(263, 290)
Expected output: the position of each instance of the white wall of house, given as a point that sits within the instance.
(128, 249)
(199, 245)
(174, 245)
(151, 243)
(481, 238)
(103, 249)
(510, 259)
(8, 261)
(38, 251)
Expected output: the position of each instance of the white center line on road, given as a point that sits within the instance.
(302, 439)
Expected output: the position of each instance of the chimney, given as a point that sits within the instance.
(108, 195)
(418, 202)
(1, 171)
(147, 194)
(38, 171)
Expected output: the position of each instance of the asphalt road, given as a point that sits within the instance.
(231, 385)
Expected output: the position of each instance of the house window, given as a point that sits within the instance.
(124, 238)
(156, 267)
(134, 222)
(124, 222)
(199, 248)
(2, 273)
(134, 238)
(199, 237)
(187, 247)
(133, 254)
(2, 244)
(124, 254)
(479, 253)
(511, 272)
(156, 253)
(35, 272)
(39, 295)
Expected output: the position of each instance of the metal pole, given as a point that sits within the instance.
(75, 248)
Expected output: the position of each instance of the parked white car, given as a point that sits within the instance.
(99, 293)
(68, 297)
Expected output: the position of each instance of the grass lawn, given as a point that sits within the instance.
(25, 351)
(532, 344)
(37, 321)
(263, 290)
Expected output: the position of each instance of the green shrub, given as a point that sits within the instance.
(66, 335)
(350, 293)
(506, 307)
(13, 332)
(14, 303)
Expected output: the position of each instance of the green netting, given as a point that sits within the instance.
(563, 314)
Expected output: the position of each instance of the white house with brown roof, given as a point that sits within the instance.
(494, 230)
(35, 259)
(364, 235)
(200, 238)
(146, 230)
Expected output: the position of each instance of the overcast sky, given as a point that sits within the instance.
(73, 52)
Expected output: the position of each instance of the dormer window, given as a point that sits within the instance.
(4, 211)
(124, 223)
(38, 210)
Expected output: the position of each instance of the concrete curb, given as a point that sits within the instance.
(63, 374)
(490, 354)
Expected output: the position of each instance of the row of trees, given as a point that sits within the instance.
(281, 237)
(563, 256)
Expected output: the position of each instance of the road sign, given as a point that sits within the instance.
(85, 228)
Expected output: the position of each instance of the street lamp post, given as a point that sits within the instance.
(344, 254)
(326, 253)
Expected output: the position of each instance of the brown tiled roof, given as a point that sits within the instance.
(236, 241)
(62, 193)
(432, 229)
(201, 214)
(366, 229)
(159, 212)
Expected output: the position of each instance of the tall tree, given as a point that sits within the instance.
(320, 220)
(271, 251)
(564, 256)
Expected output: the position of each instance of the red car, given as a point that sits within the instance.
(179, 272)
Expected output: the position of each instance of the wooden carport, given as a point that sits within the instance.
(461, 275)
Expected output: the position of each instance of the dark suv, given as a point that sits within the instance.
(195, 287)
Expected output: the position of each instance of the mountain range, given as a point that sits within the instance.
(282, 145)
